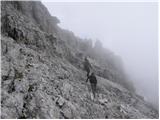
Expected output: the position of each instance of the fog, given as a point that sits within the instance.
(130, 30)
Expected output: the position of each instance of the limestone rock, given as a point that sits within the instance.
(42, 73)
(60, 101)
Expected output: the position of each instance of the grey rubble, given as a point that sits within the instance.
(42, 75)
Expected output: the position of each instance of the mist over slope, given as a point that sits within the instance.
(129, 29)
(43, 76)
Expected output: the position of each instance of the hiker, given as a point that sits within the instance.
(93, 81)
(87, 66)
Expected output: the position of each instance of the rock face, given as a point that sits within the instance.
(42, 75)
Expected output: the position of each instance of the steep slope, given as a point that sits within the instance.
(42, 75)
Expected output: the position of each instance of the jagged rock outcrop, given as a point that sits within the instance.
(42, 75)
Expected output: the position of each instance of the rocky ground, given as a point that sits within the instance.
(38, 82)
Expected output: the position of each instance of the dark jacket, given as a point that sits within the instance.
(92, 78)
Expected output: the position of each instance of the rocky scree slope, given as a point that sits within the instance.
(42, 75)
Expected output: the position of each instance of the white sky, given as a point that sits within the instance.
(128, 29)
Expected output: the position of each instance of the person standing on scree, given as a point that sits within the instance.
(87, 66)
(93, 81)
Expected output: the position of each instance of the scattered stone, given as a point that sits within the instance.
(122, 109)
(103, 101)
(42, 63)
(66, 113)
(60, 101)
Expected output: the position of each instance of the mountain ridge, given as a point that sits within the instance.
(43, 76)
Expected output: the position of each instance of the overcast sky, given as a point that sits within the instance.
(128, 29)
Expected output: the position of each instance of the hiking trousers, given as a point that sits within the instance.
(93, 88)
